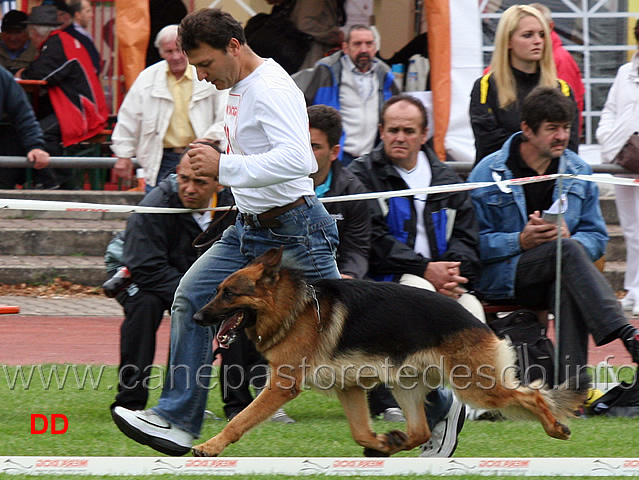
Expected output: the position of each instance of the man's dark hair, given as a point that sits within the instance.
(547, 104)
(75, 6)
(211, 26)
(404, 97)
(637, 30)
(328, 120)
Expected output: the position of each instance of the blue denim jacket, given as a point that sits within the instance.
(502, 216)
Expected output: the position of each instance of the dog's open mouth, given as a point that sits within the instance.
(227, 333)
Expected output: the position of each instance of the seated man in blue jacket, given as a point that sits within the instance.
(519, 248)
(158, 249)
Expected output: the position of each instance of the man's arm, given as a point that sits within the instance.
(146, 252)
(591, 230)
(354, 234)
(19, 112)
(126, 133)
(48, 62)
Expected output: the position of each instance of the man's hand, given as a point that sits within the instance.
(39, 157)
(123, 168)
(205, 160)
(538, 231)
(446, 278)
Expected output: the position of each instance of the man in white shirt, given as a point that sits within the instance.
(267, 164)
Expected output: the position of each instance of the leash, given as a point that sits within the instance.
(313, 294)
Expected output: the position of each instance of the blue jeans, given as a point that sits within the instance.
(309, 236)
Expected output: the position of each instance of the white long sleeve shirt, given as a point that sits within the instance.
(269, 157)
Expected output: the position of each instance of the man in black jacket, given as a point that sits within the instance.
(427, 240)
(332, 180)
(20, 132)
(158, 250)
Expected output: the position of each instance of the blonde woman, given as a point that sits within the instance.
(619, 119)
(521, 61)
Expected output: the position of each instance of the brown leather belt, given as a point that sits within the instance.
(267, 219)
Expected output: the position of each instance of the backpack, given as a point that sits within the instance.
(275, 36)
(620, 401)
(535, 354)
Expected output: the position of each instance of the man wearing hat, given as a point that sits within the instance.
(73, 87)
(74, 17)
(16, 50)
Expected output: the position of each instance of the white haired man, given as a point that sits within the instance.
(180, 109)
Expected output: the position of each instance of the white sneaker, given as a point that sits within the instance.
(627, 302)
(281, 417)
(443, 438)
(148, 428)
(393, 414)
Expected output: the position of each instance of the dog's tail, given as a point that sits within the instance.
(506, 393)
(562, 401)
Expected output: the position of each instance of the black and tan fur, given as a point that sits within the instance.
(364, 323)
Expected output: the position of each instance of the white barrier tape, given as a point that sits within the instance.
(344, 466)
(16, 204)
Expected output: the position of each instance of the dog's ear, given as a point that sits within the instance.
(272, 258)
(272, 261)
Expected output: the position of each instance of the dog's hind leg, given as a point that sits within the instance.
(272, 397)
(412, 404)
(356, 409)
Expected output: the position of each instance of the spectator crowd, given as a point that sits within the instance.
(214, 124)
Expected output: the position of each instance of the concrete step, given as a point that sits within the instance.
(83, 196)
(57, 237)
(42, 269)
(616, 248)
(38, 246)
(608, 210)
(614, 273)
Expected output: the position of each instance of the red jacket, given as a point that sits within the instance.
(73, 86)
(568, 70)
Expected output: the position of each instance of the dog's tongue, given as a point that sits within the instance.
(223, 337)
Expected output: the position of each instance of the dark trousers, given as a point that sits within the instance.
(242, 367)
(53, 140)
(587, 302)
(379, 399)
(143, 314)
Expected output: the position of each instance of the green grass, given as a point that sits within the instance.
(321, 429)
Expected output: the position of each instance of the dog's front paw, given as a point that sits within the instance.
(396, 438)
(205, 450)
(371, 452)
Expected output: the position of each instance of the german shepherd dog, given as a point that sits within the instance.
(347, 335)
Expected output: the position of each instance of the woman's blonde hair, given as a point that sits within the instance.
(500, 66)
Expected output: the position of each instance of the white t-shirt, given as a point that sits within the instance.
(419, 177)
(268, 157)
